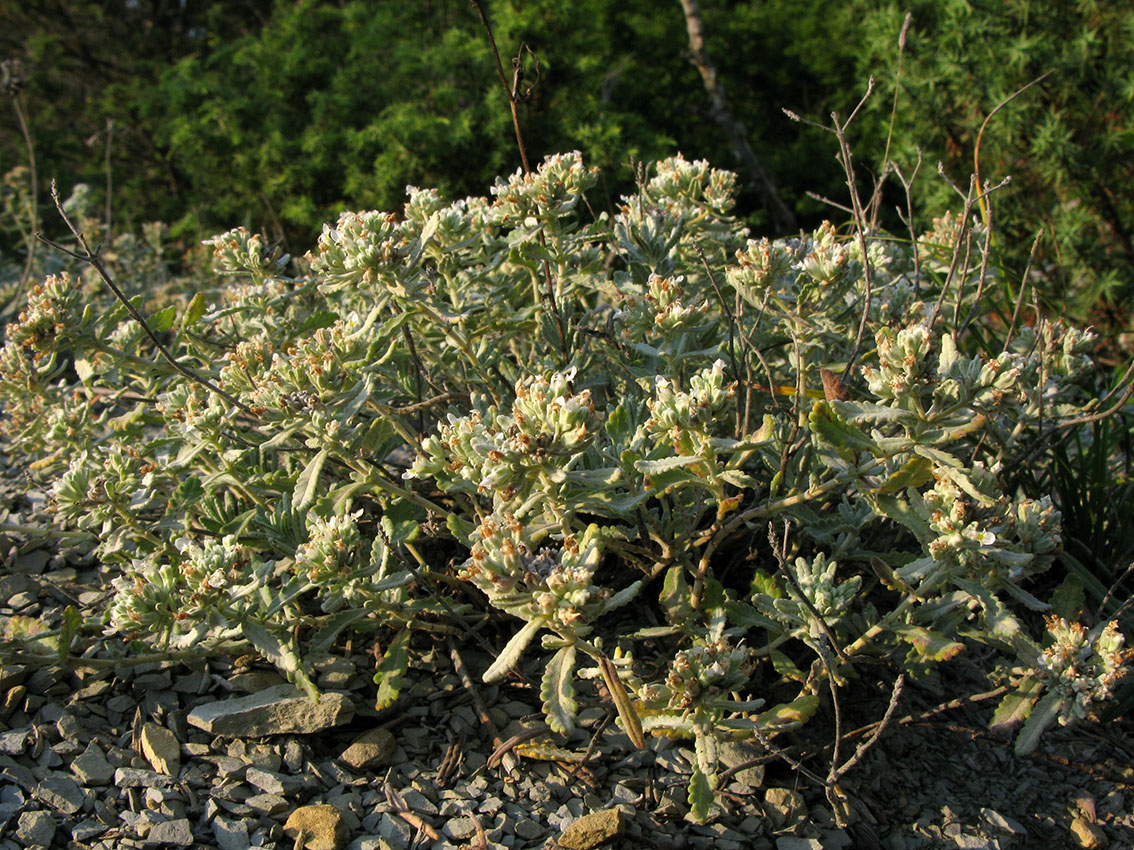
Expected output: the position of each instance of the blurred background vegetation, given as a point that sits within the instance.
(278, 114)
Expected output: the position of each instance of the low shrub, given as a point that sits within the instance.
(787, 456)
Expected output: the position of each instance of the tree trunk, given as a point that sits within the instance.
(782, 218)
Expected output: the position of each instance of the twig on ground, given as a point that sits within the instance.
(506, 756)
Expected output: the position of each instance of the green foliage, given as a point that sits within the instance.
(1066, 142)
(591, 411)
(280, 115)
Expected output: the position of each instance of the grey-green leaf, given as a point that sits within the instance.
(307, 484)
(512, 651)
(558, 692)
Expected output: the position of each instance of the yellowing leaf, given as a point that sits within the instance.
(788, 714)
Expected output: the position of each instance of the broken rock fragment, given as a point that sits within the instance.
(161, 749)
(322, 827)
(593, 829)
(283, 709)
(374, 748)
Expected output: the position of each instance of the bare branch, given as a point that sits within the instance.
(782, 218)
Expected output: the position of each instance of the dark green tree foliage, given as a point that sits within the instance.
(87, 63)
(1067, 142)
(280, 116)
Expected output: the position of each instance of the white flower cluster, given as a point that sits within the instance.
(1083, 666)
(553, 190)
(553, 584)
(700, 674)
(332, 550)
(504, 454)
(677, 417)
(239, 251)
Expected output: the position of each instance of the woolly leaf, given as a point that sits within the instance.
(391, 670)
(308, 482)
(831, 428)
(929, 645)
(700, 796)
(558, 692)
(1067, 598)
(788, 714)
(1042, 716)
(163, 320)
(512, 651)
(194, 311)
(280, 649)
(913, 473)
(1016, 706)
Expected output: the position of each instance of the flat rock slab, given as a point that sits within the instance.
(593, 829)
(322, 827)
(280, 710)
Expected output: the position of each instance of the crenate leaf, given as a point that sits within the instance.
(913, 473)
(324, 638)
(308, 482)
(72, 620)
(1016, 705)
(1067, 599)
(163, 320)
(665, 464)
(513, 650)
(281, 650)
(929, 645)
(558, 692)
(194, 311)
(700, 796)
(391, 670)
(831, 428)
(622, 597)
(1042, 716)
(786, 667)
(619, 427)
(788, 714)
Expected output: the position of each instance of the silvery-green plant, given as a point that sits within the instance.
(590, 411)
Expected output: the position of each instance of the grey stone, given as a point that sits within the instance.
(370, 842)
(734, 753)
(13, 584)
(176, 833)
(419, 802)
(20, 601)
(373, 748)
(136, 777)
(395, 830)
(784, 806)
(273, 783)
(792, 842)
(91, 766)
(84, 831)
(15, 742)
(269, 804)
(61, 792)
(529, 829)
(228, 767)
(1005, 824)
(967, 841)
(279, 710)
(230, 834)
(35, 828)
(31, 563)
(460, 829)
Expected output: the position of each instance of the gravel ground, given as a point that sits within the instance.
(219, 755)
